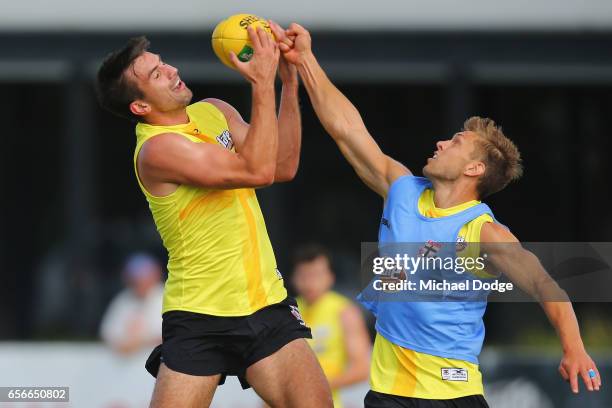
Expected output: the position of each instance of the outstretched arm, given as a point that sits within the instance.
(522, 267)
(289, 124)
(339, 116)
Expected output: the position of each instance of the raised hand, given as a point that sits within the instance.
(294, 43)
(261, 68)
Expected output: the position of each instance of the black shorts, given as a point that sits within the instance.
(200, 344)
(375, 399)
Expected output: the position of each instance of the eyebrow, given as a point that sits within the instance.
(155, 67)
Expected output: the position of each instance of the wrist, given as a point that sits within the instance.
(570, 347)
(264, 86)
(291, 85)
(291, 82)
(307, 59)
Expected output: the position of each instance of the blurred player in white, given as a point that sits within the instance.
(132, 321)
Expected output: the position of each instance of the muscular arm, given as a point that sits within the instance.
(337, 114)
(357, 343)
(289, 130)
(170, 159)
(522, 267)
(344, 123)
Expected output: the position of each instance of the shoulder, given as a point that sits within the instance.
(407, 185)
(351, 315)
(222, 107)
(339, 297)
(410, 180)
(160, 147)
(156, 295)
(339, 302)
(156, 144)
(494, 232)
(120, 303)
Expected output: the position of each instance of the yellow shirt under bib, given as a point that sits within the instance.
(328, 343)
(400, 371)
(220, 259)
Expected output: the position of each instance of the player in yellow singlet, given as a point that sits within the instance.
(411, 366)
(339, 335)
(225, 307)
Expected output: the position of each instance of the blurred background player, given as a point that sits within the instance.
(132, 321)
(428, 351)
(225, 309)
(339, 335)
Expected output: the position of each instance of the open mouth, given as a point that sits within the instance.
(178, 85)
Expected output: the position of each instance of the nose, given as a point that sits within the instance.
(172, 71)
(440, 145)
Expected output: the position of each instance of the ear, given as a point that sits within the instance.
(475, 169)
(140, 108)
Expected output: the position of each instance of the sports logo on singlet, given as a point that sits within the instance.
(430, 249)
(385, 222)
(296, 313)
(225, 139)
(461, 244)
(454, 374)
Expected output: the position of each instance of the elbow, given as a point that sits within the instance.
(285, 174)
(264, 177)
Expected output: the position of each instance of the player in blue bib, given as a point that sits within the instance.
(428, 350)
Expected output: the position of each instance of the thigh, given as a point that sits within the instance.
(178, 390)
(291, 378)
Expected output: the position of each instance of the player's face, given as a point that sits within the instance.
(312, 279)
(141, 285)
(452, 157)
(160, 83)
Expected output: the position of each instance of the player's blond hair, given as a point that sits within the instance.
(499, 154)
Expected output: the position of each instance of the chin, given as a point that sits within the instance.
(432, 174)
(188, 96)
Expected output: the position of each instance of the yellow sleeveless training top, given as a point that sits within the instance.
(400, 371)
(220, 260)
(323, 318)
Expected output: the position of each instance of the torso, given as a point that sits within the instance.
(221, 260)
(406, 372)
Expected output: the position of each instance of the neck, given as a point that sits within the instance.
(451, 193)
(311, 301)
(177, 117)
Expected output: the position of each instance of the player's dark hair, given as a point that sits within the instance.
(310, 252)
(114, 91)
